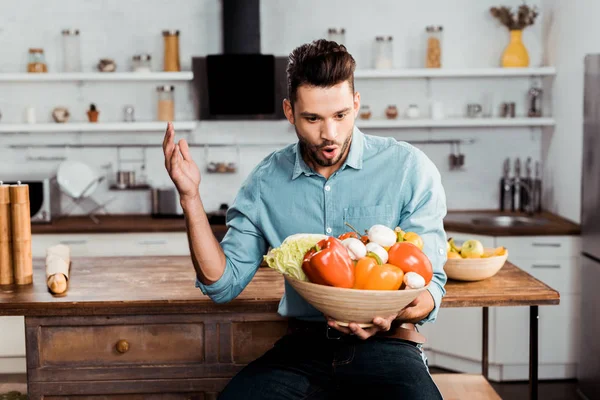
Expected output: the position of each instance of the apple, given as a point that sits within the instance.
(472, 249)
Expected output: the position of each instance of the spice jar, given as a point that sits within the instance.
(71, 50)
(384, 52)
(166, 103)
(365, 112)
(37, 61)
(141, 63)
(412, 111)
(337, 35)
(171, 57)
(391, 112)
(434, 46)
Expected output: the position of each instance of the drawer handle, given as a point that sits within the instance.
(151, 242)
(546, 244)
(122, 346)
(74, 241)
(546, 266)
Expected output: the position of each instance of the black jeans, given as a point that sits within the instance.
(302, 366)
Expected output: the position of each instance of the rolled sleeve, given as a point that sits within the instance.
(243, 245)
(423, 213)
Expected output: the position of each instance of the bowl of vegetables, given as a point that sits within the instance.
(353, 277)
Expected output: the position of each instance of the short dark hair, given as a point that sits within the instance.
(322, 63)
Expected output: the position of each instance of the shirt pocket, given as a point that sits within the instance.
(363, 218)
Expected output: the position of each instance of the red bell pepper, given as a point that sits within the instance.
(329, 263)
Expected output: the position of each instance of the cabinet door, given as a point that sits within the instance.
(558, 333)
(12, 337)
(456, 331)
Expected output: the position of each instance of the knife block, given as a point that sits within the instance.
(7, 276)
(21, 234)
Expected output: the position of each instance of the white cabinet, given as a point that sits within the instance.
(457, 334)
(12, 336)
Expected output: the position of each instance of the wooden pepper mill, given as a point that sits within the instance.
(21, 234)
(6, 265)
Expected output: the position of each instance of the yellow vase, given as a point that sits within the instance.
(515, 54)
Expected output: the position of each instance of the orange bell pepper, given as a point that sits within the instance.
(370, 274)
(409, 258)
(329, 263)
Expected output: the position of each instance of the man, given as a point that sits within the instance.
(333, 175)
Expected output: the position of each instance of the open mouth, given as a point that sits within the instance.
(329, 152)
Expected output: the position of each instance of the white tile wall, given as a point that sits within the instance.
(119, 29)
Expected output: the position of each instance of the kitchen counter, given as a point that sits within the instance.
(134, 326)
(457, 221)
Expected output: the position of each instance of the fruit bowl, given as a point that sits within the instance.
(354, 305)
(474, 269)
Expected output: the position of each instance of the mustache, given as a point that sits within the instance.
(325, 144)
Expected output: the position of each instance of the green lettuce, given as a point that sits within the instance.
(287, 258)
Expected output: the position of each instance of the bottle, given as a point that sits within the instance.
(171, 51)
(506, 188)
(71, 50)
(434, 46)
(525, 202)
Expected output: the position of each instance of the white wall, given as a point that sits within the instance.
(574, 34)
(120, 29)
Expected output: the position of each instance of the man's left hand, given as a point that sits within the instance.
(417, 310)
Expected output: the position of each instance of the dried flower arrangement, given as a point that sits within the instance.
(524, 16)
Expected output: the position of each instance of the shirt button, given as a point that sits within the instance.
(327, 188)
(328, 230)
(441, 251)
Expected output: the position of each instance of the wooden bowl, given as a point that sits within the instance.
(474, 269)
(354, 305)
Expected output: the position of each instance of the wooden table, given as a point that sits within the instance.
(138, 326)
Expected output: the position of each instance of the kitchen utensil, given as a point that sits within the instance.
(474, 110)
(361, 306)
(535, 102)
(453, 157)
(474, 269)
(525, 196)
(516, 193)
(21, 234)
(507, 110)
(506, 187)
(76, 179)
(165, 203)
(460, 157)
(537, 188)
(6, 265)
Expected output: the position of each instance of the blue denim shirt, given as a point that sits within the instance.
(382, 181)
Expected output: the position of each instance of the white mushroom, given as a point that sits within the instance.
(356, 248)
(414, 280)
(377, 249)
(382, 235)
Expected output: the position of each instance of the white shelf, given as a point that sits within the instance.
(96, 76)
(97, 127)
(454, 123)
(453, 73)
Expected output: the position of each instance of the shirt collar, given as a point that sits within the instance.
(354, 159)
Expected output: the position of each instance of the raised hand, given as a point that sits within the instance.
(182, 170)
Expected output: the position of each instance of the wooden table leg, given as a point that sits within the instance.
(485, 343)
(533, 352)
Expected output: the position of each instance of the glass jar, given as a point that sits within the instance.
(171, 49)
(391, 112)
(141, 63)
(384, 54)
(337, 35)
(365, 112)
(37, 61)
(412, 111)
(166, 103)
(71, 50)
(434, 46)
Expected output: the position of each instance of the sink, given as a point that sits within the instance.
(509, 220)
(496, 220)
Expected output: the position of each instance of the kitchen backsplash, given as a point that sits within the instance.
(120, 29)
